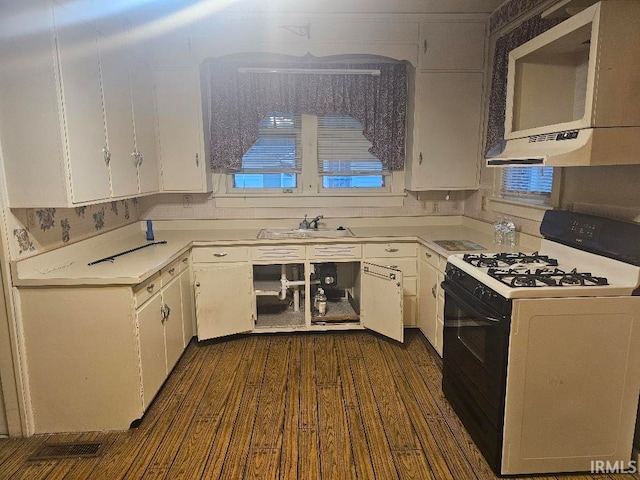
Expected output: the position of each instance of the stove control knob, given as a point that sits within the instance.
(479, 292)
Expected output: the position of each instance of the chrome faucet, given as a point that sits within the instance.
(305, 224)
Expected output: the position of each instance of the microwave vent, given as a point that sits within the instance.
(546, 137)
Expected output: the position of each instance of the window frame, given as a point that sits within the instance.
(309, 181)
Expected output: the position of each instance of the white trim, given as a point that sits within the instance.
(315, 71)
(518, 208)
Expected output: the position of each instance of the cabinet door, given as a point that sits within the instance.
(152, 351)
(446, 131)
(223, 295)
(118, 112)
(142, 94)
(452, 46)
(77, 45)
(173, 334)
(427, 320)
(182, 162)
(381, 308)
(187, 307)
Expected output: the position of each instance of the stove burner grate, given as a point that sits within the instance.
(504, 259)
(545, 277)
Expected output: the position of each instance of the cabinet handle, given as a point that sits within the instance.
(197, 159)
(172, 271)
(140, 159)
(197, 284)
(222, 254)
(424, 46)
(167, 311)
(390, 250)
(420, 159)
(185, 260)
(107, 155)
(427, 254)
(395, 267)
(150, 288)
(433, 291)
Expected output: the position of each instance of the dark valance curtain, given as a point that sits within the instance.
(238, 101)
(498, 97)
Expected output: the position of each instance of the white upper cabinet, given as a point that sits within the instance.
(67, 112)
(452, 45)
(183, 167)
(119, 118)
(79, 67)
(445, 111)
(145, 153)
(447, 131)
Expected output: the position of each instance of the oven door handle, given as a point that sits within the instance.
(458, 295)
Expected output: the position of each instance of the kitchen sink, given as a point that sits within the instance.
(278, 233)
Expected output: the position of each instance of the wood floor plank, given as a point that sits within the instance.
(18, 458)
(359, 445)
(230, 416)
(326, 366)
(289, 451)
(381, 457)
(336, 460)
(194, 451)
(308, 400)
(263, 464)
(309, 459)
(393, 413)
(235, 459)
(267, 431)
(412, 465)
(335, 393)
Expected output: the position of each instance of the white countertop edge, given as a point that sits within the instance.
(31, 272)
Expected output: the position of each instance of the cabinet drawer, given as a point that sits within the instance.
(183, 263)
(346, 250)
(220, 254)
(408, 266)
(278, 252)
(169, 272)
(145, 290)
(432, 258)
(390, 250)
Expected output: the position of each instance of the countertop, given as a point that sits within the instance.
(68, 265)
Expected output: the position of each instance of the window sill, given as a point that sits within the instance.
(518, 208)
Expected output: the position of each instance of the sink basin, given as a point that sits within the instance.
(278, 233)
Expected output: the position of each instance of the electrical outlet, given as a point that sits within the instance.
(434, 207)
(483, 204)
(187, 201)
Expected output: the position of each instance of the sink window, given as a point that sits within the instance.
(533, 183)
(344, 160)
(275, 159)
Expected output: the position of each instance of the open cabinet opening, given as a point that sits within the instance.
(335, 293)
(279, 292)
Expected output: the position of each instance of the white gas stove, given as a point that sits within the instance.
(541, 351)
(555, 271)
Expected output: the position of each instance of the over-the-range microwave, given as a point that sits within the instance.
(573, 92)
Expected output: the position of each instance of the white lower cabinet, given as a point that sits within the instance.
(153, 363)
(223, 296)
(240, 289)
(430, 297)
(98, 355)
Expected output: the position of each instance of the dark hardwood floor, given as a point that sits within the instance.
(307, 406)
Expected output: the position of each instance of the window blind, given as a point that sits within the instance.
(533, 181)
(277, 149)
(343, 150)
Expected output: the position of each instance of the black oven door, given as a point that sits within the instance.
(475, 350)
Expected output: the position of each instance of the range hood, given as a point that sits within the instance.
(572, 92)
(571, 148)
